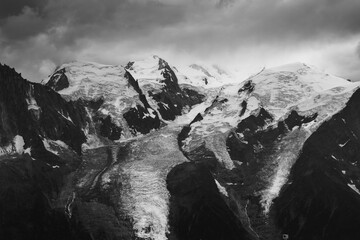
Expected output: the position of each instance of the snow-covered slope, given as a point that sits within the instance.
(148, 71)
(279, 90)
(124, 102)
(272, 96)
(92, 81)
(106, 87)
(300, 87)
(159, 83)
(205, 76)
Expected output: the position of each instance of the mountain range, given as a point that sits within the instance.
(155, 151)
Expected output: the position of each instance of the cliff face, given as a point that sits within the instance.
(31, 201)
(160, 83)
(34, 112)
(198, 210)
(58, 81)
(41, 137)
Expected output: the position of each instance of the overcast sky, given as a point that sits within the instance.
(37, 35)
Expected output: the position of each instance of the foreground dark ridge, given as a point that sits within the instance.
(34, 111)
(31, 206)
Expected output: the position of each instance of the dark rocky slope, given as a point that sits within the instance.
(254, 151)
(29, 202)
(318, 202)
(58, 81)
(31, 190)
(197, 208)
(171, 99)
(34, 111)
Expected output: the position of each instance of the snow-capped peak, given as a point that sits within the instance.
(147, 68)
(83, 77)
(205, 76)
(149, 72)
(306, 74)
(152, 62)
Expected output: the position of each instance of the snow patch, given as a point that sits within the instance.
(61, 144)
(66, 117)
(48, 147)
(253, 103)
(343, 145)
(151, 112)
(19, 144)
(222, 189)
(30, 100)
(353, 187)
(50, 144)
(28, 151)
(104, 111)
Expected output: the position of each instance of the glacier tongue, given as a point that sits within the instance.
(143, 173)
(146, 201)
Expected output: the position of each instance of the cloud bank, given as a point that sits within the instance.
(37, 35)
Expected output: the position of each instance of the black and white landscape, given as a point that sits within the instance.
(179, 120)
(153, 151)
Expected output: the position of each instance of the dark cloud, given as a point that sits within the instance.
(25, 24)
(14, 7)
(225, 3)
(90, 18)
(283, 20)
(308, 19)
(35, 35)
